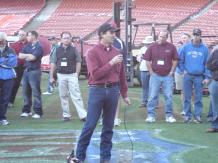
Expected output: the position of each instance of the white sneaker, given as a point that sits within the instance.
(170, 119)
(4, 122)
(182, 113)
(36, 116)
(47, 93)
(150, 119)
(26, 114)
(117, 122)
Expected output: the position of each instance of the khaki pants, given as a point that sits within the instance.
(68, 85)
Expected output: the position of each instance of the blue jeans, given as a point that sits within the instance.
(5, 94)
(213, 88)
(156, 81)
(145, 77)
(100, 99)
(190, 82)
(50, 87)
(31, 86)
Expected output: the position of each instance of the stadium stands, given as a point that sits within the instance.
(163, 11)
(78, 16)
(83, 17)
(207, 22)
(14, 14)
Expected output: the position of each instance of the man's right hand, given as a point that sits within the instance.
(116, 60)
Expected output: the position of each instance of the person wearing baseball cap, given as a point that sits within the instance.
(107, 80)
(192, 63)
(54, 44)
(145, 76)
(8, 61)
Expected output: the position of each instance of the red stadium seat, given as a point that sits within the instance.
(14, 14)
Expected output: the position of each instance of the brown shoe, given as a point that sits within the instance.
(212, 130)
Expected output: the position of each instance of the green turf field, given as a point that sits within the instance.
(204, 145)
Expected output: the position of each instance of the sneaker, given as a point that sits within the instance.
(197, 120)
(83, 119)
(182, 113)
(187, 120)
(24, 114)
(104, 161)
(117, 122)
(4, 122)
(72, 159)
(150, 119)
(66, 119)
(209, 119)
(36, 116)
(170, 119)
(143, 106)
(47, 93)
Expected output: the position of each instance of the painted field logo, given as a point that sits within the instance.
(52, 146)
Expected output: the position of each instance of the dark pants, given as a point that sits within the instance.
(210, 112)
(145, 77)
(5, 94)
(19, 71)
(213, 87)
(31, 86)
(100, 100)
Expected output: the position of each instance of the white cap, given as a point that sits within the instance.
(148, 40)
(3, 36)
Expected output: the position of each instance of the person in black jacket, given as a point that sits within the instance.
(212, 65)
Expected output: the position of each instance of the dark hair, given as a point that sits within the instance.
(66, 32)
(34, 33)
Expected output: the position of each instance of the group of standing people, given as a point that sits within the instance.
(161, 64)
(192, 65)
(22, 61)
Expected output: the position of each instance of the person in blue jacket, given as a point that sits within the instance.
(8, 60)
(192, 62)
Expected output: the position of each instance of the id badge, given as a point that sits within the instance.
(63, 64)
(160, 62)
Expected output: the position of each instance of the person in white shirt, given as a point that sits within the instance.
(145, 76)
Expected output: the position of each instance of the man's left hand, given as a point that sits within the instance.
(127, 101)
(171, 73)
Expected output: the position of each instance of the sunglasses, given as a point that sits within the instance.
(196, 34)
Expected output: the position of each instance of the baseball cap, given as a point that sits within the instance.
(3, 36)
(51, 38)
(197, 31)
(107, 27)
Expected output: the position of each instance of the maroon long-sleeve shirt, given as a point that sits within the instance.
(101, 72)
(18, 46)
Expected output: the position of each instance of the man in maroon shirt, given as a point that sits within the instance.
(162, 60)
(107, 79)
(18, 46)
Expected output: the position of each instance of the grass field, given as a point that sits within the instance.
(204, 145)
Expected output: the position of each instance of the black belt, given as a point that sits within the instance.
(106, 85)
(31, 69)
(195, 74)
